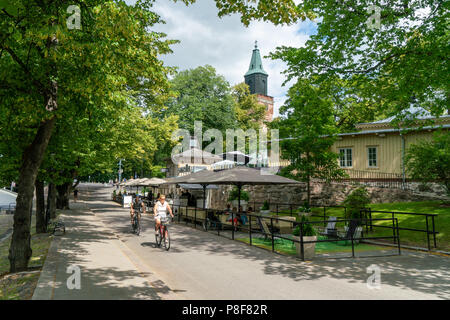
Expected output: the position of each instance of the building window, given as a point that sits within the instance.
(345, 158)
(372, 157)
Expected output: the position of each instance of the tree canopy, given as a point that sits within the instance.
(402, 61)
(307, 131)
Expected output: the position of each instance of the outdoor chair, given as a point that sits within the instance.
(330, 230)
(264, 228)
(353, 231)
(212, 222)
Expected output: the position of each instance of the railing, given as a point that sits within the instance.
(196, 215)
(368, 214)
(200, 215)
(376, 179)
(9, 208)
(291, 208)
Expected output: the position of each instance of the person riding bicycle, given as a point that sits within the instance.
(136, 207)
(160, 211)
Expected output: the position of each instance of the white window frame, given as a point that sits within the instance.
(376, 156)
(346, 160)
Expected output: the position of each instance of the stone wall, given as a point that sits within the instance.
(321, 194)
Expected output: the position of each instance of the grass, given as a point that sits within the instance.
(442, 221)
(20, 286)
(288, 247)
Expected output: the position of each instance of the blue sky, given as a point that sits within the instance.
(225, 43)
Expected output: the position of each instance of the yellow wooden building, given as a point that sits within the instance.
(380, 147)
(377, 150)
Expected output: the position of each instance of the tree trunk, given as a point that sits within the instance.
(51, 200)
(40, 207)
(62, 200)
(20, 248)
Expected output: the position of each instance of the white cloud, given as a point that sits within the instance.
(225, 43)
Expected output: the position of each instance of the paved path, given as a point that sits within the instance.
(200, 265)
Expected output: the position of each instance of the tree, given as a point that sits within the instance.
(48, 69)
(404, 59)
(429, 161)
(249, 113)
(201, 95)
(306, 129)
(356, 201)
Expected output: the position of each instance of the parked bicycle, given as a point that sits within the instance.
(162, 236)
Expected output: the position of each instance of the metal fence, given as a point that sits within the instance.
(209, 220)
(376, 179)
(428, 230)
(8, 209)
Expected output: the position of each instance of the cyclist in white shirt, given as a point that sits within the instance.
(160, 211)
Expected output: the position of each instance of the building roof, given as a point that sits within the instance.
(256, 63)
(412, 113)
(444, 126)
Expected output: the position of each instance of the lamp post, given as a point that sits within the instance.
(120, 170)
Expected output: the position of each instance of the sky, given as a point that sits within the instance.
(225, 43)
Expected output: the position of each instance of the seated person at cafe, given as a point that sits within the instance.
(242, 216)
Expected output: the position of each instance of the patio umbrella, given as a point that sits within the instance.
(238, 176)
(154, 183)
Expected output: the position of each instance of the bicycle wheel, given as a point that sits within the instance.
(138, 227)
(158, 238)
(133, 226)
(167, 239)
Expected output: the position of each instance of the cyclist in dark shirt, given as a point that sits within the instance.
(137, 206)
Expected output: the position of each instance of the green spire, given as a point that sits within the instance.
(256, 62)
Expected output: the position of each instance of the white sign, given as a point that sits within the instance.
(127, 201)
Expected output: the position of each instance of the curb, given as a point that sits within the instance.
(45, 287)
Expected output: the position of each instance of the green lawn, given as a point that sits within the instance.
(288, 247)
(442, 221)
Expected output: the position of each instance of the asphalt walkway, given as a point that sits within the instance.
(116, 264)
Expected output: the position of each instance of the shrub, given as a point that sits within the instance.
(265, 205)
(357, 200)
(234, 195)
(308, 229)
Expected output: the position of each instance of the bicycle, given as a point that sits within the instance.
(136, 226)
(161, 235)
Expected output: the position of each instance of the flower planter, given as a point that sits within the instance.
(309, 248)
(264, 212)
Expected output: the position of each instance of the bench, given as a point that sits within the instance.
(57, 225)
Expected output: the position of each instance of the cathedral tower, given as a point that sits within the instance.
(256, 79)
